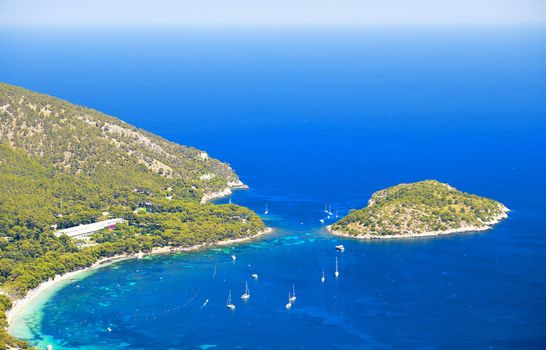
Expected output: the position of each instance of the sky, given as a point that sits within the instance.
(101, 13)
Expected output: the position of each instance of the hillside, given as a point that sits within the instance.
(81, 141)
(63, 165)
(420, 209)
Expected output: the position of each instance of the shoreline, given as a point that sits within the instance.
(19, 304)
(488, 225)
(207, 197)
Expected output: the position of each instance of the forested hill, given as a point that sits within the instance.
(63, 165)
(421, 208)
(81, 141)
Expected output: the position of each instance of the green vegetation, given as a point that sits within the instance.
(419, 208)
(63, 165)
(80, 141)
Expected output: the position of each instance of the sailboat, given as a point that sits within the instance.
(329, 209)
(255, 276)
(246, 296)
(326, 208)
(266, 209)
(293, 297)
(337, 269)
(322, 279)
(289, 304)
(229, 305)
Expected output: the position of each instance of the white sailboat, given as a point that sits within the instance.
(322, 279)
(289, 304)
(292, 298)
(246, 296)
(266, 209)
(255, 276)
(229, 304)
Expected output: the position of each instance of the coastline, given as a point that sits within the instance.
(488, 225)
(207, 197)
(19, 304)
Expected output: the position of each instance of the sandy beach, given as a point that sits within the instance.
(18, 305)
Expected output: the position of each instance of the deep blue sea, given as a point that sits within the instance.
(309, 117)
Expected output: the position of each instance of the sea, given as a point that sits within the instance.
(312, 118)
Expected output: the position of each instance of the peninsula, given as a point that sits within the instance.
(63, 165)
(426, 208)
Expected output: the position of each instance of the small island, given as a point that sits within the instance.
(425, 208)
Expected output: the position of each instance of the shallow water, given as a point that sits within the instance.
(307, 119)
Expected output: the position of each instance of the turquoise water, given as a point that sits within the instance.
(309, 118)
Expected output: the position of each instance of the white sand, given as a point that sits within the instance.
(20, 304)
(51, 283)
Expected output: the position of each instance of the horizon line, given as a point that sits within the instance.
(273, 26)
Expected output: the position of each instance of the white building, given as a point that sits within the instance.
(82, 231)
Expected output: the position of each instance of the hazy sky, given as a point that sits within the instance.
(269, 12)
